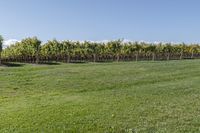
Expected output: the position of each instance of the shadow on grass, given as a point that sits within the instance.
(9, 64)
(78, 62)
(50, 63)
(105, 61)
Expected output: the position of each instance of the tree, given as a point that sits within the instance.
(92, 49)
(152, 49)
(1, 47)
(168, 50)
(37, 46)
(115, 48)
(137, 49)
(127, 50)
(30, 47)
(53, 50)
(182, 48)
(193, 49)
(68, 49)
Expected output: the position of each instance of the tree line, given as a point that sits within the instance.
(31, 50)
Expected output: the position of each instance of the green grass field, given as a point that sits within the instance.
(161, 96)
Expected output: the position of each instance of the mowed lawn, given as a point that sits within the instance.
(160, 96)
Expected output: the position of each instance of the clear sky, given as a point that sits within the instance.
(148, 20)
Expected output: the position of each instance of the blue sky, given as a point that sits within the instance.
(148, 20)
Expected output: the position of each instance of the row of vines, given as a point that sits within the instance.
(31, 50)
